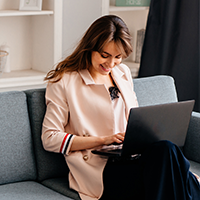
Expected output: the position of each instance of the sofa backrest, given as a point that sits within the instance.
(17, 161)
(155, 90)
(49, 165)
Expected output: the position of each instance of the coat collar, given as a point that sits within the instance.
(87, 78)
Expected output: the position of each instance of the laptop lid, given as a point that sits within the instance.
(154, 123)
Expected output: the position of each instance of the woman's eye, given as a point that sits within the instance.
(119, 57)
(104, 56)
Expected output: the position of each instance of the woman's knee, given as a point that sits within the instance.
(163, 145)
(168, 150)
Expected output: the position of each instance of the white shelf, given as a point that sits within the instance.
(11, 13)
(22, 79)
(126, 8)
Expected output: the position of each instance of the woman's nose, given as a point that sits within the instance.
(111, 62)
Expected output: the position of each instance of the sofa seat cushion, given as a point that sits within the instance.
(29, 190)
(61, 185)
(195, 167)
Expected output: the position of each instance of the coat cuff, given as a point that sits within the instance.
(66, 144)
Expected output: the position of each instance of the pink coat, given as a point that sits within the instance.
(77, 105)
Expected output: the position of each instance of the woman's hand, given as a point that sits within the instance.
(117, 138)
(82, 143)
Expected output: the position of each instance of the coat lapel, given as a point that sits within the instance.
(125, 88)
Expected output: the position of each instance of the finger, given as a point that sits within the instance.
(120, 136)
(119, 139)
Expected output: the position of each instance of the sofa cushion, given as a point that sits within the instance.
(17, 158)
(29, 190)
(192, 147)
(61, 185)
(195, 167)
(49, 165)
(155, 90)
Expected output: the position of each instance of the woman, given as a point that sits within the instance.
(88, 99)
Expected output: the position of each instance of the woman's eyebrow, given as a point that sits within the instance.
(110, 54)
(106, 53)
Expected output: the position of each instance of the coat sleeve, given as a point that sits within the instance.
(54, 137)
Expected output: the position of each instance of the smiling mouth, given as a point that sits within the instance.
(105, 69)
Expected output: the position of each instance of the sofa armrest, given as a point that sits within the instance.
(192, 143)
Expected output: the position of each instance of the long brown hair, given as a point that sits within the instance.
(104, 30)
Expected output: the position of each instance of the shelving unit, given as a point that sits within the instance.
(38, 39)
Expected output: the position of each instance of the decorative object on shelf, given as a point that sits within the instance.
(6, 48)
(3, 57)
(132, 2)
(139, 44)
(30, 5)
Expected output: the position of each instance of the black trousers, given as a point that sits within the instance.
(161, 173)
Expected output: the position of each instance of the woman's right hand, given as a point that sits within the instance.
(117, 138)
(82, 143)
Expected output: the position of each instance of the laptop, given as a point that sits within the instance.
(150, 124)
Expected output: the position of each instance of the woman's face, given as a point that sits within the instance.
(102, 63)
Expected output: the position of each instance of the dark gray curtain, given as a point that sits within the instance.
(171, 45)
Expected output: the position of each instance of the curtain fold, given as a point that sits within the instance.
(171, 45)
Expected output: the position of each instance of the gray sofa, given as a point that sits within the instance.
(27, 171)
